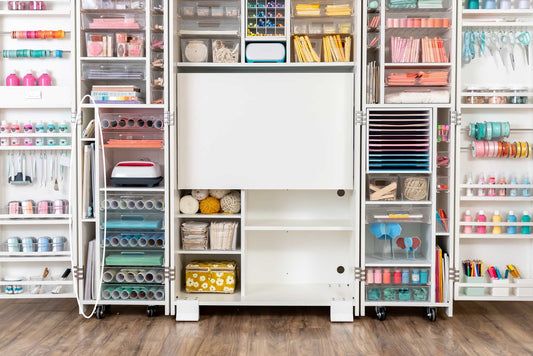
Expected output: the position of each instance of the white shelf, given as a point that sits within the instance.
(415, 65)
(34, 254)
(37, 259)
(35, 135)
(497, 199)
(414, 304)
(211, 298)
(208, 252)
(497, 236)
(35, 148)
(497, 106)
(123, 106)
(88, 220)
(208, 216)
(124, 302)
(489, 298)
(34, 216)
(37, 283)
(133, 189)
(382, 262)
(478, 12)
(34, 222)
(37, 296)
(267, 65)
(298, 225)
(35, 12)
(496, 186)
(208, 33)
(397, 202)
(113, 59)
(501, 23)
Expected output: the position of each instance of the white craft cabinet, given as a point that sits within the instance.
(51, 166)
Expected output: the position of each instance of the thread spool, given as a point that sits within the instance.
(120, 277)
(130, 204)
(142, 241)
(139, 204)
(124, 241)
(159, 294)
(130, 277)
(124, 294)
(160, 204)
(149, 276)
(108, 276)
(122, 204)
(115, 294)
(139, 277)
(159, 277)
(149, 204)
(106, 293)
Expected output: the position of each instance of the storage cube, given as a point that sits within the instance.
(474, 291)
(210, 277)
(501, 291)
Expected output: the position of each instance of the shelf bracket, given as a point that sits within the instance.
(360, 118)
(455, 118)
(74, 119)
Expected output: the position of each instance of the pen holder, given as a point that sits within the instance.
(474, 291)
(524, 287)
(502, 290)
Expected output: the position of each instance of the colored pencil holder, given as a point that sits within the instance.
(474, 291)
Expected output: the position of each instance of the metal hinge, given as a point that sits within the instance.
(360, 118)
(77, 272)
(169, 118)
(456, 118)
(170, 274)
(359, 273)
(454, 274)
(75, 118)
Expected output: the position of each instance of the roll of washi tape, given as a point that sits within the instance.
(524, 149)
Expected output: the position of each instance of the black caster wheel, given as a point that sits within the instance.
(431, 314)
(381, 313)
(151, 311)
(100, 312)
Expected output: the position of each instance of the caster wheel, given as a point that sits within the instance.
(151, 311)
(431, 314)
(100, 312)
(381, 313)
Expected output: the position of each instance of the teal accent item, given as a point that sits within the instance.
(135, 259)
(404, 294)
(472, 4)
(420, 294)
(134, 222)
(373, 294)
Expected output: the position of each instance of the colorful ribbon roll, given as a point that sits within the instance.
(32, 53)
(38, 35)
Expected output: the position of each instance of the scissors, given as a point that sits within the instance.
(524, 38)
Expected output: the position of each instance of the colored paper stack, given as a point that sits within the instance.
(307, 9)
(338, 10)
(116, 94)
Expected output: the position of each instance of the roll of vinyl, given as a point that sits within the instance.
(120, 277)
(150, 294)
(106, 293)
(141, 292)
(104, 204)
(158, 124)
(106, 123)
(115, 294)
(151, 242)
(114, 241)
(149, 204)
(139, 277)
(131, 123)
(124, 294)
(133, 242)
(134, 294)
(108, 241)
(131, 204)
(124, 241)
(140, 123)
(122, 204)
(160, 242)
(149, 276)
(159, 294)
(122, 123)
(159, 277)
(108, 276)
(160, 204)
(142, 241)
(139, 204)
(113, 203)
(130, 276)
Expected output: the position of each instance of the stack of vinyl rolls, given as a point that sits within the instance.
(133, 203)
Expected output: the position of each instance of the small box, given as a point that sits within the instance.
(188, 11)
(203, 11)
(474, 291)
(502, 291)
(415, 188)
(195, 50)
(217, 11)
(527, 290)
(210, 277)
(382, 188)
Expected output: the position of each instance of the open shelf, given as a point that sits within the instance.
(298, 225)
(382, 262)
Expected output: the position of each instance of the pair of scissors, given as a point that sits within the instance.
(524, 38)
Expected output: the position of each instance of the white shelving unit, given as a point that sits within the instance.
(475, 76)
(23, 261)
(152, 63)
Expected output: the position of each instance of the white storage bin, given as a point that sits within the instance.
(502, 291)
(527, 290)
(217, 11)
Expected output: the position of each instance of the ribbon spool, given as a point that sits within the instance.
(32, 53)
(39, 34)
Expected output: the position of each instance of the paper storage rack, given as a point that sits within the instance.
(37, 225)
(409, 51)
(124, 216)
(276, 229)
(402, 263)
(493, 190)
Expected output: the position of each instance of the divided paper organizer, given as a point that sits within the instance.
(474, 291)
(501, 288)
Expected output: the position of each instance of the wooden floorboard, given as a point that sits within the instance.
(55, 328)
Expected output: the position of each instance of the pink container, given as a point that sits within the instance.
(437, 23)
(377, 276)
(410, 22)
(386, 276)
(397, 277)
(423, 22)
(446, 22)
(43, 207)
(390, 23)
(12, 80)
(14, 207)
(395, 23)
(29, 80)
(369, 276)
(44, 80)
(417, 22)
(482, 219)
(467, 217)
(403, 22)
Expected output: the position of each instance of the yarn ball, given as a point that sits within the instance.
(210, 205)
(200, 194)
(189, 205)
(231, 203)
(218, 193)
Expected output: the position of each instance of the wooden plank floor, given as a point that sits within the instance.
(54, 327)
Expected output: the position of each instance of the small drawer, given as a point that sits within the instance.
(99, 44)
(231, 11)
(415, 188)
(203, 11)
(217, 11)
(188, 10)
(103, 21)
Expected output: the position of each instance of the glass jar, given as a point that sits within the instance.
(496, 97)
(474, 96)
(519, 96)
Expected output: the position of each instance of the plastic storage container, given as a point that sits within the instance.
(382, 188)
(225, 50)
(195, 50)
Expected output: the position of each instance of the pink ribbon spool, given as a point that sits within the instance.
(14, 207)
(12, 80)
(29, 80)
(43, 207)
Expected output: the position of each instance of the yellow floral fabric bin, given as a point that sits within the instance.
(210, 277)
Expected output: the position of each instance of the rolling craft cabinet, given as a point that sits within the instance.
(407, 155)
(37, 152)
(494, 187)
(280, 136)
(125, 227)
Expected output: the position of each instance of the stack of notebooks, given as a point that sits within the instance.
(116, 94)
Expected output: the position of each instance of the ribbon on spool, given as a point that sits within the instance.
(32, 53)
(38, 35)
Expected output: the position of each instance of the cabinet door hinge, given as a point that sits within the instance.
(78, 272)
(360, 118)
(455, 118)
(359, 273)
(169, 118)
(170, 274)
(75, 119)
(454, 274)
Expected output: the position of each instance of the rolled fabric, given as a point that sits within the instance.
(160, 204)
(124, 294)
(133, 294)
(131, 123)
(131, 204)
(108, 275)
(159, 277)
(159, 294)
(122, 123)
(160, 242)
(122, 204)
(115, 294)
(149, 276)
(149, 204)
(106, 293)
(139, 204)
(124, 241)
(139, 277)
(142, 241)
(120, 277)
(130, 276)
(151, 242)
(158, 124)
(105, 124)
